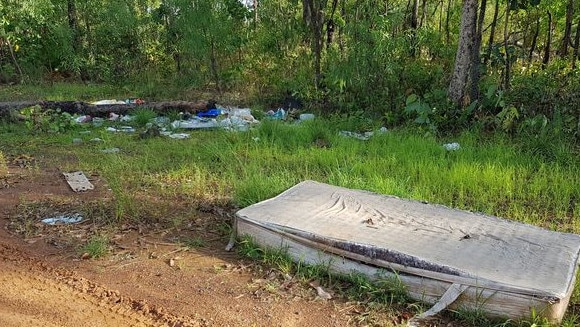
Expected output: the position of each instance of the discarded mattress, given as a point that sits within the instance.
(505, 268)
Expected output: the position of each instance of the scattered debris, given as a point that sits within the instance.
(78, 181)
(279, 114)
(64, 219)
(150, 132)
(97, 140)
(320, 291)
(179, 136)
(452, 146)
(304, 117)
(195, 123)
(126, 129)
(83, 119)
(363, 136)
(97, 121)
(111, 150)
(238, 119)
(360, 136)
(107, 102)
(211, 113)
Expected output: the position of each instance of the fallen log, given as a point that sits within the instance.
(103, 110)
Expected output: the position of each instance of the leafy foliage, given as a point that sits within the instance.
(374, 56)
(54, 121)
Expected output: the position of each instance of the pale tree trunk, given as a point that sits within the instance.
(255, 5)
(459, 80)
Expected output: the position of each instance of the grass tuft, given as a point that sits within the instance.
(96, 247)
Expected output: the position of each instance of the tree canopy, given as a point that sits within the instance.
(392, 58)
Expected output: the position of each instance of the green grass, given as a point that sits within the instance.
(96, 247)
(62, 92)
(494, 174)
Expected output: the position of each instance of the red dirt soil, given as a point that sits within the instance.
(145, 280)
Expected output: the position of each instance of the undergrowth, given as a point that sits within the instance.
(519, 179)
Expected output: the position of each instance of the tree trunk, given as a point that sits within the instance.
(546, 59)
(441, 17)
(576, 46)
(447, 18)
(214, 66)
(414, 24)
(491, 33)
(13, 56)
(534, 41)
(459, 79)
(506, 35)
(476, 58)
(255, 6)
(330, 26)
(73, 24)
(313, 14)
(563, 51)
(423, 13)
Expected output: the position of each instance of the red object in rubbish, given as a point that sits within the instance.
(134, 101)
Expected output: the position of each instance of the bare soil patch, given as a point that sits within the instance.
(150, 277)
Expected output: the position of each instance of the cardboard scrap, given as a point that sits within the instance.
(78, 181)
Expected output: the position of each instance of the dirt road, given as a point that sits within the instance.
(145, 280)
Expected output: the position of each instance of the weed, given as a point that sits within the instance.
(248, 248)
(473, 317)
(96, 247)
(195, 242)
(3, 166)
(143, 116)
(54, 121)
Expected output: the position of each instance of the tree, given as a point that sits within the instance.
(566, 38)
(313, 15)
(463, 59)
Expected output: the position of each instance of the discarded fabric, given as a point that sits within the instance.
(279, 114)
(64, 219)
(452, 146)
(212, 113)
